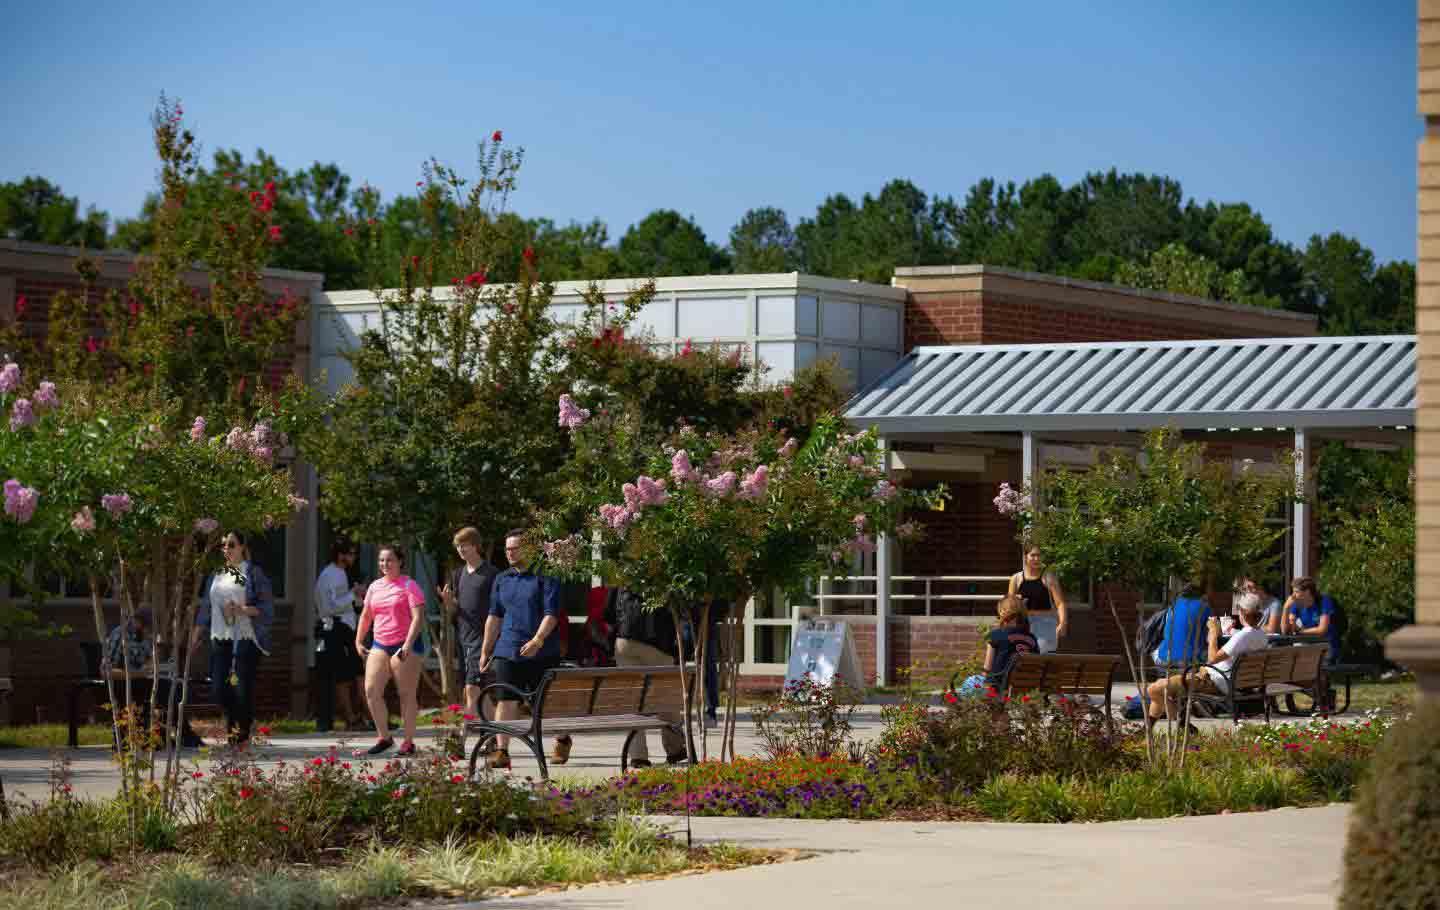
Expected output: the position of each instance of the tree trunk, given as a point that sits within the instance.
(684, 689)
(100, 633)
(702, 655)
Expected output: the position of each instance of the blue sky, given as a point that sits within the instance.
(1306, 110)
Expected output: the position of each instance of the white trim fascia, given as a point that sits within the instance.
(1290, 340)
(1012, 423)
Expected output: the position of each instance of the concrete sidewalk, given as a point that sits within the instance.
(1288, 857)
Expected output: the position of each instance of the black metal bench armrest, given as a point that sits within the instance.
(527, 697)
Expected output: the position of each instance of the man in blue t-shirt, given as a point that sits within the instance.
(1308, 612)
(519, 641)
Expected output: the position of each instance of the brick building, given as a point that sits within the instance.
(36, 273)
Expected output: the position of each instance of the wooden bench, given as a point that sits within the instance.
(1062, 674)
(1262, 676)
(578, 701)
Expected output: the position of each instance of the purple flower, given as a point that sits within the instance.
(680, 467)
(84, 521)
(754, 486)
(45, 396)
(206, 525)
(262, 454)
(197, 429)
(21, 414)
(720, 486)
(885, 491)
(9, 378)
(20, 501)
(571, 416)
(116, 504)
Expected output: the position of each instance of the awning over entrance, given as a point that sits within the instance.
(1311, 387)
(1189, 385)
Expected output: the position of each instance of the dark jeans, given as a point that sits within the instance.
(238, 699)
(712, 671)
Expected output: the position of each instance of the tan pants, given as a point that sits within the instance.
(631, 653)
(1170, 690)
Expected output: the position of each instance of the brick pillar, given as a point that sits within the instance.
(1418, 646)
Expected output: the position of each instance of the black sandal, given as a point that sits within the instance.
(380, 746)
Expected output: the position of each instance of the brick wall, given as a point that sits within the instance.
(1011, 319)
(942, 319)
(968, 538)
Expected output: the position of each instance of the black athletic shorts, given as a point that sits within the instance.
(522, 673)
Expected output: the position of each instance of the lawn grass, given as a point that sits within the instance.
(472, 870)
(1366, 694)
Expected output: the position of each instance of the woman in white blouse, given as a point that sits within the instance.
(236, 609)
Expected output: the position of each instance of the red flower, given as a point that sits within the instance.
(950, 697)
(20, 305)
(457, 779)
(317, 762)
(349, 232)
(246, 793)
(275, 232)
(266, 203)
(270, 188)
(475, 279)
(1023, 698)
(529, 255)
(415, 262)
(197, 775)
(283, 828)
(345, 765)
(91, 345)
(496, 136)
(787, 391)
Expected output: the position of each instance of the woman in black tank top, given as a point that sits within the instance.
(1040, 591)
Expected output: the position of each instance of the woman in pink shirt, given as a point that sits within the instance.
(395, 605)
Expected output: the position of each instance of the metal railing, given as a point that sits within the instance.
(825, 594)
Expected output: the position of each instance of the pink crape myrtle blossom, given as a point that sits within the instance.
(261, 436)
(9, 378)
(20, 501)
(21, 414)
(633, 501)
(617, 517)
(859, 522)
(206, 525)
(681, 469)
(857, 461)
(298, 503)
(262, 454)
(238, 439)
(572, 416)
(754, 486)
(885, 491)
(565, 551)
(652, 491)
(84, 520)
(789, 447)
(1011, 501)
(45, 395)
(116, 504)
(197, 430)
(720, 486)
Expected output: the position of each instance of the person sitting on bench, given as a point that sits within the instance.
(1165, 693)
(130, 645)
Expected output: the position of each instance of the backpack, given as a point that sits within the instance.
(1151, 633)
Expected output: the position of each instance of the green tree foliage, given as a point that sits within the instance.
(1174, 267)
(763, 241)
(666, 243)
(37, 211)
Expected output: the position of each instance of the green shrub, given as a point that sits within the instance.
(807, 719)
(1394, 833)
(63, 831)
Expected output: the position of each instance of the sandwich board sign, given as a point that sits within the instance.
(824, 649)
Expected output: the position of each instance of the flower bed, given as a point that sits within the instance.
(1030, 762)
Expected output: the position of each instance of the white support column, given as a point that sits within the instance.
(1301, 530)
(1030, 459)
(882, 587)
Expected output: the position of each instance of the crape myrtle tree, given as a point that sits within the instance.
(1142, 519)
(133, 436)
(448, 420)
(716, 516)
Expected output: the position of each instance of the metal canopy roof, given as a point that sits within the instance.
(1364, 381)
